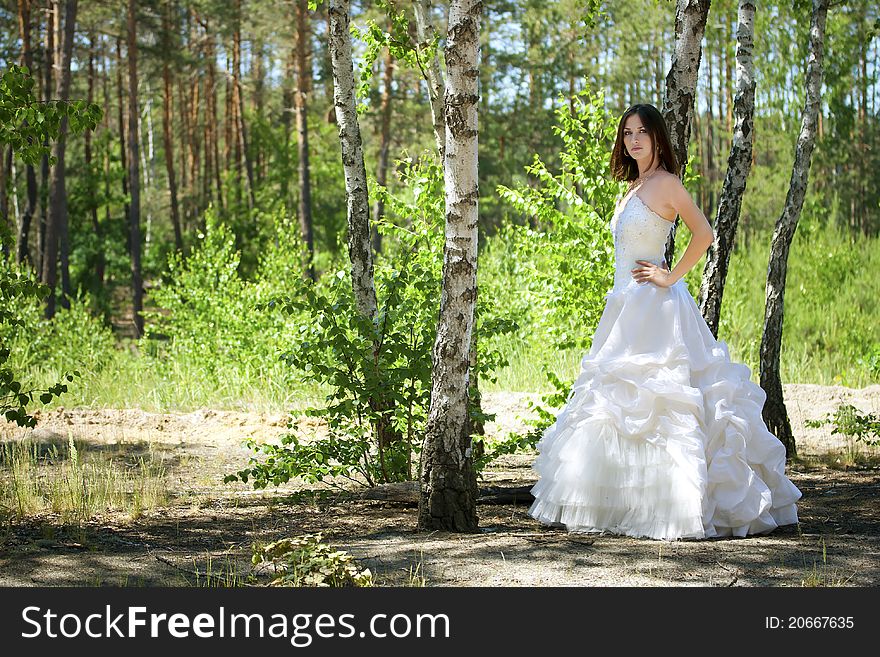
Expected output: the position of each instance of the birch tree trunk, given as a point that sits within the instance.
(352, 161)
(359, 248)
(302, 131)
(681, 85)
(433, 75)
(775, 414)
(448, 481)
(134, 215)
(739, 163)
(432, 72)
(57, 216)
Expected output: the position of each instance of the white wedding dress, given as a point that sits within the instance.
(662, 435)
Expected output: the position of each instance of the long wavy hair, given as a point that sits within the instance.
(624, 167)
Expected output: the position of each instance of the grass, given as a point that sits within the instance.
(822, 574)
(75, 484)
(227, 576)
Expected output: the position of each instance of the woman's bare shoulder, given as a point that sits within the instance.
(668, 177)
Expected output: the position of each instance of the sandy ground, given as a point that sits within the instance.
(209, 525)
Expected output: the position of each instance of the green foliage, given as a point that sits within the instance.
(306, 561)
(364, 362)
(830, 335)
(397, 40)
(850, 423)
(22, 343)
(567, 246)
(29, 125)
(205, 310)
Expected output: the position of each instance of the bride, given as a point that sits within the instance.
(662, 435)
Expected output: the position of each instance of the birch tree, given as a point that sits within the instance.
(775, 414)
(681, 85)
(357, 197)
(448, 492)
(739, 163)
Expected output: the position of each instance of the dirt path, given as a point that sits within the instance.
(208, 525)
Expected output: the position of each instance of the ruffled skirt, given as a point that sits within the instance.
(662, 435)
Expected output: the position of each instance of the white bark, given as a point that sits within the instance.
(739, 163)
(359, 250)
(775, 413)
(681, 84)
(449, 489)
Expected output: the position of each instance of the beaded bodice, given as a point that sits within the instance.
(639, 234)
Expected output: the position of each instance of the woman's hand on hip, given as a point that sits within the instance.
(648, 272)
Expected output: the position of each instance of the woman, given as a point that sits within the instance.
(662, 435)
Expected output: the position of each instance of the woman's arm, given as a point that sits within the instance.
(701, 232)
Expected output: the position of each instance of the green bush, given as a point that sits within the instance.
(363, 362)
(206, 312)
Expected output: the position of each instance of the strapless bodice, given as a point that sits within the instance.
(639, 234)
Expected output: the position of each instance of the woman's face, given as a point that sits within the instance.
(636, 139)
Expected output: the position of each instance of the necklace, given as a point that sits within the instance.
(641, 179)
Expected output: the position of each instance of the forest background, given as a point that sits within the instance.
(235, 101)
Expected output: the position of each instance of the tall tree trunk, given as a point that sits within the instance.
(56, 224)
(359, 249)
(22, 249)
(448, 498)
(352, 161)
(137, 285)
(436, 91)
(228, 123)
(212, 128)
(432, 72)
(709, 177)
(100, 260)
(864, 155)
(194, 133)
(168, 135)
(738, 166)
(123, 149)
(288, 108)
(775, 413)
(5, 174)
(52, 18)
(384, 145)
(258, 75)
(237, 120)
(303, 75)
(681, 85)
(728, 84)
(244, 150)
(106, 150)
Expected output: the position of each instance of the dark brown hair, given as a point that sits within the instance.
(624, 167)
